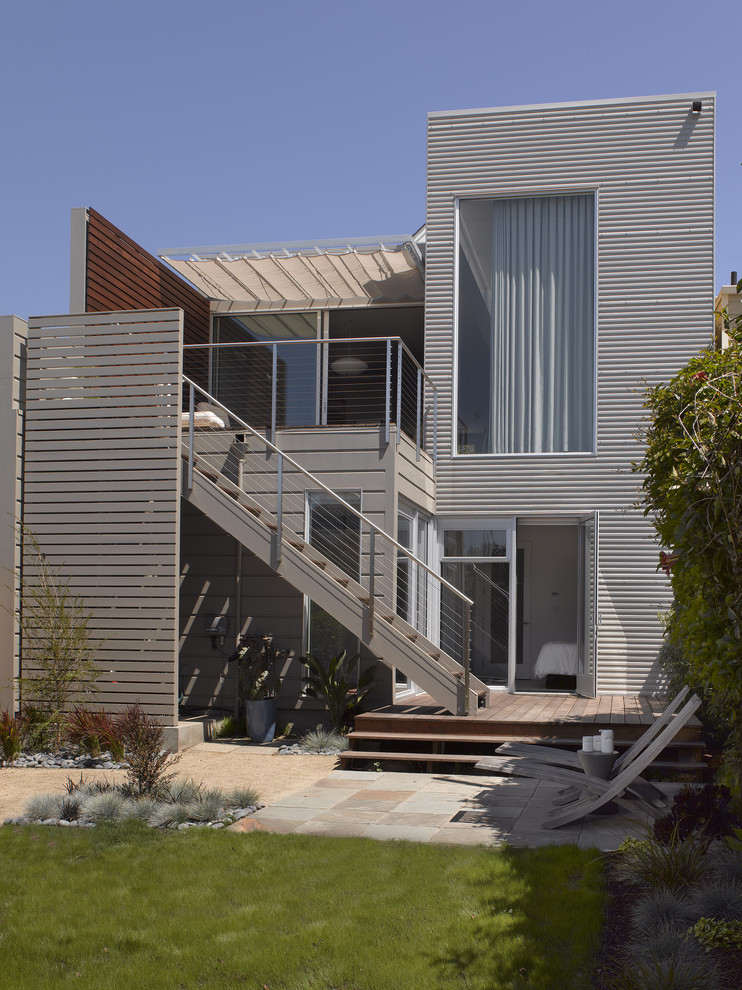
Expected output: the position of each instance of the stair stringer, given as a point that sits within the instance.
(439, 676)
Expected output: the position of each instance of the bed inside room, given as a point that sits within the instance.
(547, 606)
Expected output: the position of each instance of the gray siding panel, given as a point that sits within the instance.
(102, 486)
(651, 164)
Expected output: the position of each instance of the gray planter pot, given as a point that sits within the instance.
(261, 719)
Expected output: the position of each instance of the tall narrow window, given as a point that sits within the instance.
(526, 349)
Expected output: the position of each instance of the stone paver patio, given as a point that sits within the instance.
(462, 810)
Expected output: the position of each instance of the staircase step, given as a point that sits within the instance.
(351, 755)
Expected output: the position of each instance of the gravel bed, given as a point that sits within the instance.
(67, 759)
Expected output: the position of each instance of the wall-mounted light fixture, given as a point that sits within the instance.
(696, 106)
(217, 626)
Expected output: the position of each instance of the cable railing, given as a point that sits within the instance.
(310, 383)
(222, 445)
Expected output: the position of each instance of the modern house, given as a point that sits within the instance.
(417, 445)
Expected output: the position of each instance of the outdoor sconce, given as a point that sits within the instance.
(217, 627)
(696, 106)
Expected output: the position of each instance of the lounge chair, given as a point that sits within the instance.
(552, 755)
(596, 792)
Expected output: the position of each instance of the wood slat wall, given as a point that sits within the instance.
(102, 487)
(13, 333)
(121, 275)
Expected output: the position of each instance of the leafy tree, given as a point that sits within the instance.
(58, 669)
(693, 490)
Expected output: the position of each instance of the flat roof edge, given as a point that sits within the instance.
(710, 94)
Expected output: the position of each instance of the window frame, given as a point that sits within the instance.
(531, 193)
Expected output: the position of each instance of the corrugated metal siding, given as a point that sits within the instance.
(101, 486)
(651, 163)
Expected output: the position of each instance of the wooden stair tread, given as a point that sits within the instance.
(361, 754)
(499, 738)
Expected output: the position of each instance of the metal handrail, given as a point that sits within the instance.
(318, 341)
(246, 428)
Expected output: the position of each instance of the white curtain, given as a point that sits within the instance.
(542, 324)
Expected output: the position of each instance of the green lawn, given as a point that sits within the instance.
(127, 906)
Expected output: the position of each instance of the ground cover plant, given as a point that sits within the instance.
(677, 902)
(217, 910)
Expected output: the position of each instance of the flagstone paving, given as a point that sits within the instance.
(463, 810)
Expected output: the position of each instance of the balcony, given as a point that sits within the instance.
(301, 384)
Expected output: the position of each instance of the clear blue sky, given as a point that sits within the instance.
(192, 123)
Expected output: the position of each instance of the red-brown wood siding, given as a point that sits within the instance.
(121, 275)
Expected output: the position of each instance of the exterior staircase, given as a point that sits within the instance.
(258, 522)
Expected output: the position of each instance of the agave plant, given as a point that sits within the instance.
(331, 681)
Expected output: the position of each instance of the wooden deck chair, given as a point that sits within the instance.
(596, 792)
(554, 756)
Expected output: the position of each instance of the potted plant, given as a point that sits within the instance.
(259, 684)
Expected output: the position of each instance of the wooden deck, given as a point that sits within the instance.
(419, 732)
(542, 709)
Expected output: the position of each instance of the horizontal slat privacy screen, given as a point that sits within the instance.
(101, 487)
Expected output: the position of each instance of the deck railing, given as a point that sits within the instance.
(304, 509)
(310, 383)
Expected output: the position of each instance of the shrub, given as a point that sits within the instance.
(720, 899)
(230, 727)
(94, 730)
(665, 942)
(35, 729)
(42, 806)
(674, 865)
(704, 810)
(330, 681)
(10, 737)
(320, 739)
(69, 809)
(242, 797)
(676, 972)
(112, 806)
(715, 933)
(662, 909)
(181, 791)
(149, 762)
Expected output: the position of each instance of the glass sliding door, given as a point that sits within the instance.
(587, 604)
(476, 560)
(413, 582)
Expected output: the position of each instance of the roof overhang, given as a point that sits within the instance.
(301, 275)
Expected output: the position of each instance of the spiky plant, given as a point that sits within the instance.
(112, 806)
(42, 807)
(242, 797)
(717, 899)
(181, 790)
(661, 910)
(668, 973)
(664, 942)
(331, 681)
(322, 739)
(69, 809)
(674, 865)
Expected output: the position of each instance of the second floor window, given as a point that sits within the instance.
(526, 325)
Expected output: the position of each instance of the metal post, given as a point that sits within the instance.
(388, 387)
(467, 651)
(399, 391)
(418, 419)
(371, 580)
(274, 348)
(191, 415)
(279, 510)
(435, 428)
(318, 384)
